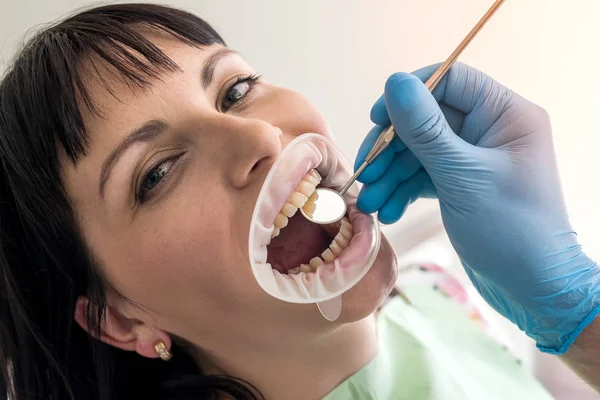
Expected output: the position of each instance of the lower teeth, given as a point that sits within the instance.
(338, 244)
(343, 230)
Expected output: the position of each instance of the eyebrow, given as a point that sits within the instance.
(145, 133)
(154, 128)
(208, 68)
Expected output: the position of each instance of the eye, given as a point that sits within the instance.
(152, 179)
(238, 91)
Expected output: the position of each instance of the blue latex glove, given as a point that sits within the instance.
(487, 154)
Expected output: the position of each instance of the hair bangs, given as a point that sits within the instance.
(113, 35)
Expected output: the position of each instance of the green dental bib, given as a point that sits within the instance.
(431, 350)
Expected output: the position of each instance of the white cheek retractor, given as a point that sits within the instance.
(326, 285)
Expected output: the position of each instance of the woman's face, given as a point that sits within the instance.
(165, 196)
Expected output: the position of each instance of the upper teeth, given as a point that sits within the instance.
(305, 188)
(297, 200)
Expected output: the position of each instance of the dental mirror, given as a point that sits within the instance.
(326, 206)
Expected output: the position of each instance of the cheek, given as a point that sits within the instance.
(294, 114)
(185, 259)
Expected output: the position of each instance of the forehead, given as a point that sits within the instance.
(120, 106)
(108, 87)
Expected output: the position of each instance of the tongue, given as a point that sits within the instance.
(297, 244)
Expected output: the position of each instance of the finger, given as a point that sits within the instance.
(419, 185)
(455, 118)
(473, 93)
(374, 195)
(425, 73)
(379, 112)
(377, 166)
(419, 121)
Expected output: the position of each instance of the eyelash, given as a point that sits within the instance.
(142, 196)
(252, 80)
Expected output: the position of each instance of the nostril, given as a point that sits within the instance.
(245, 174)
(259, 163)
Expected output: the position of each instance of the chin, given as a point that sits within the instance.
(368, 294)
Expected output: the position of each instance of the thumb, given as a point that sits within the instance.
(418, 120)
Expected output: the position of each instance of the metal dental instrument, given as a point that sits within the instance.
(326, 206)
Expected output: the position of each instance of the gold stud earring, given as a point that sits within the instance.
(162, 350)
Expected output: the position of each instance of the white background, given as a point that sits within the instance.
(340, 52)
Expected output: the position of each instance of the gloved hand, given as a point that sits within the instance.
(487, 154)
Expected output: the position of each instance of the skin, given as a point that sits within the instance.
(584, 354)
(182, 255)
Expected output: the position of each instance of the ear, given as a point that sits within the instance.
(122, 332)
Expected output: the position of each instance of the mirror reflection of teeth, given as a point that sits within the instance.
(311, 204)
(297, 199)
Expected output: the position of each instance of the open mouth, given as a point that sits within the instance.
(298, 245)
(294, 259)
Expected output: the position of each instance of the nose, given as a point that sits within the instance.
(252, 143)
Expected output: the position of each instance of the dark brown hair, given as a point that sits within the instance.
(44, 263)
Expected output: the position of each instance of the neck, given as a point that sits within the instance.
(299, 367)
